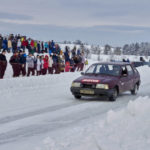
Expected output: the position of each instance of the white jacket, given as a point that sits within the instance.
(42, 64)
(30, 62)
(38, 67)
(50, 62)
(19, 43)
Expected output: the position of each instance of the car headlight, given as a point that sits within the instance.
(102, 86)
(75, 84)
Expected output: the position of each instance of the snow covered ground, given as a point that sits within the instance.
(39, 113)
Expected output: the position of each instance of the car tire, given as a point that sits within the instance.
(135, 89)
(113, 97)
(77, 96)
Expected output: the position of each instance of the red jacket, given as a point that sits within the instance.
(32, 43)
(46, 62)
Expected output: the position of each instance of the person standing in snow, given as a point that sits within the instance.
(19, 44)
(38, 47)
(73, 52)
(50, 65)
(66, 55)
(46, 47)
(3, 64)
(4, 44)
(46, 64)
(9, 45)
(79, 65)
(14, 45)
(38, 65)
(22, 63)
(30, 63)
(55, 63)
(42, 64)
(15, 62)
(82, 62)
(72, 65)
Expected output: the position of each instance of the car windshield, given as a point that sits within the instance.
(107, 69)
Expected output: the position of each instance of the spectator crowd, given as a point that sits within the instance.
(32, 57)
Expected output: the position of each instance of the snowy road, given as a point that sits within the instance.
(34, 108)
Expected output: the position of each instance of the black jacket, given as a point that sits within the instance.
(3, 58)
(14, 59)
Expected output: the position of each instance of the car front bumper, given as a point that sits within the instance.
(91, 92)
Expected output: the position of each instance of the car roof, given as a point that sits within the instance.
(113, 63)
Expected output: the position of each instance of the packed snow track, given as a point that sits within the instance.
(36, 107)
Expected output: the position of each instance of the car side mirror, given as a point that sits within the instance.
(82, 73)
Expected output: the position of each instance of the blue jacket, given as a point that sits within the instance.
(4, 44)
(23, 59)
(66, 57)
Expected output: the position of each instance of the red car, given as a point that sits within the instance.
(108, 79)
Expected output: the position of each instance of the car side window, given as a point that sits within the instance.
(130, 70)
(135, 70)
(124, 70)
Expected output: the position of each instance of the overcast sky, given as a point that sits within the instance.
(115, 22)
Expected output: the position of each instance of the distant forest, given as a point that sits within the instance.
(139, 49)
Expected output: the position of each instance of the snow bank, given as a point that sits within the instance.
(126, 129)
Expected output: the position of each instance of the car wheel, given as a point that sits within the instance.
(77, 96)
(135, 90)
(114, 95)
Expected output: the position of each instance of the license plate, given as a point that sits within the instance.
(87, 92)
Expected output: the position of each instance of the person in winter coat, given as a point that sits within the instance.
(30, 63)
(9, 45)
(38, 47)
(4, 44)
(82, 62)
(78, 52)
(24, 43)
(32, 44)
(50, 65)
(42, 64)
(72, 65)
(15, 62)
(67, 67)
(46, 46)
(35, 46)
(55, 63)
(57, 48)
(23, 63)
(3, 64)
(38, 65)
(46, 64)
(73, 52)
(66, 54)
(76, 62)
(18, 44)
(79, 65)
(14, 45)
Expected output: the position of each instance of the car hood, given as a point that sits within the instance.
(94, 79)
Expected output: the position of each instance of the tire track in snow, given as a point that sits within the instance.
(9, 119)
(60, 122)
